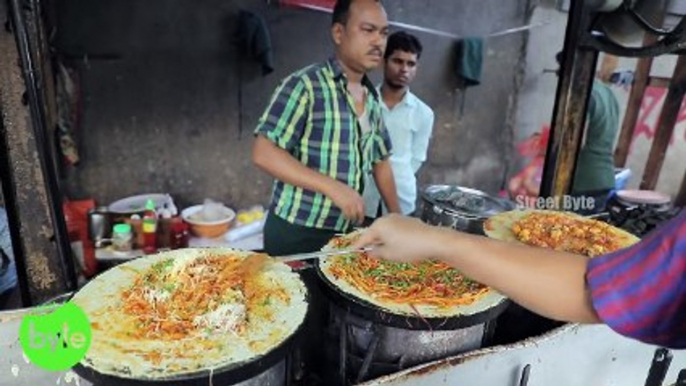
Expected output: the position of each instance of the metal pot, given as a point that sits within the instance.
(460, 208)
(99, 225)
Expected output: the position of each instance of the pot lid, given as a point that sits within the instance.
(466, 201)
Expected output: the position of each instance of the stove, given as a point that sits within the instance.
(638, 219)
(359, 349)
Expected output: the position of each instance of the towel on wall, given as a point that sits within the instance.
(254, 40)
(469, 60)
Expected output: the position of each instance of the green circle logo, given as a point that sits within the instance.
(57, 340)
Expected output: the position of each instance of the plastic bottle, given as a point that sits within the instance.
(122, 237)
(164, 231)
(179, 236)
(149, 228)
(137, 227)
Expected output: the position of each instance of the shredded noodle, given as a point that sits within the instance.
(177, 299)
(425, 283)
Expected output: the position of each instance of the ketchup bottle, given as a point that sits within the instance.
(179, 237)
(149, 228)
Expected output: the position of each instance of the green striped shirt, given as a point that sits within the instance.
(312, 116)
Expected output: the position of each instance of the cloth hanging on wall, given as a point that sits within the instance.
(469, 63)
(469, 57)
(255, 41)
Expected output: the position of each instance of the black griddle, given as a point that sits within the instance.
(227, 375)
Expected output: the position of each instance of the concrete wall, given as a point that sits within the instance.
(537, 94)
(536, 97)
(161, 101)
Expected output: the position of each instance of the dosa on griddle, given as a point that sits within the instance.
(563, 231)
(121, 348)
(485, 299)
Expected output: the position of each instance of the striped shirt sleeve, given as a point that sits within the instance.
(284, 120)
(640, 292)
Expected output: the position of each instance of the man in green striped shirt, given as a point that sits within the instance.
(322, 133)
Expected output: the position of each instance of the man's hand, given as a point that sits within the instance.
(285, 167)
(548, 282)
(349, 200)
(399, 238)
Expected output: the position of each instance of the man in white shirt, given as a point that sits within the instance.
(409, 122)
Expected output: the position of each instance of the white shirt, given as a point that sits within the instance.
(409, 125)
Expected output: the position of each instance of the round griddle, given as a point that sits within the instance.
(386, 317)
(227, 375)
(499, 227)
(647, 197)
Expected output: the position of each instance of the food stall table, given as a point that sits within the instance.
(108, 257)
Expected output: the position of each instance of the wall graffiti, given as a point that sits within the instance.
(651, 106)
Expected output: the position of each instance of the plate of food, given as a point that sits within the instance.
(563, 231)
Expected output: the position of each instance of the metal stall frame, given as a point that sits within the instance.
(27, 170)
(582, 45)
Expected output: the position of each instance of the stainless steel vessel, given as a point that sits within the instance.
(460, 208)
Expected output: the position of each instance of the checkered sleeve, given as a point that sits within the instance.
(640, 292)
(284, 120)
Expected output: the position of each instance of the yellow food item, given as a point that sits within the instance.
(567, 233)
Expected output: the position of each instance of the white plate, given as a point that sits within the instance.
(135, 204)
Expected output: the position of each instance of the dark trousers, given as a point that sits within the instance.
(283, 238)
(368, 221)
